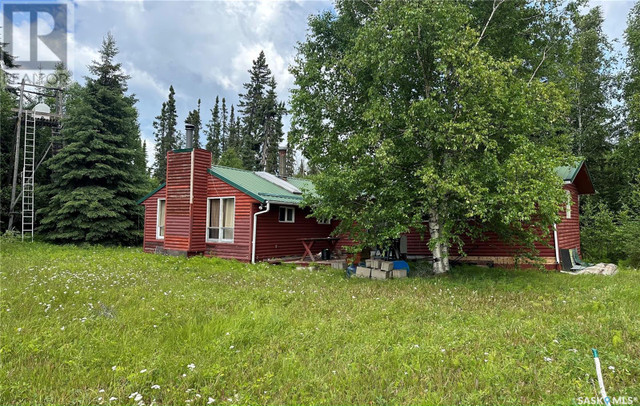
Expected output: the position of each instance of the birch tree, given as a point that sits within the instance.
(410, 121)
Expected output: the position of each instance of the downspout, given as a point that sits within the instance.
(555, 243)
(253, 238)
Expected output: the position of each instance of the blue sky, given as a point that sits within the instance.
(204, 48)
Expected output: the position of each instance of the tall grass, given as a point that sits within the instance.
(85, 325)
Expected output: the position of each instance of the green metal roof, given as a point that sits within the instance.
(257, 187)
(148, 195)
(569, 173)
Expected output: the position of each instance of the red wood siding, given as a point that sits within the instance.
(186, 217)
(569, 229)
(245, 206)
(150, 242)
(178, 220)
(202, 162)
(275, 239)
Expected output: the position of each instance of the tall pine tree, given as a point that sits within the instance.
(261, 118)
(213, 132)
(95, 177)
(166, 135)
(194, 118)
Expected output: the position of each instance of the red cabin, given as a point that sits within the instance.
(255, 216)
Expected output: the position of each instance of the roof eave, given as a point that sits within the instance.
(153, 192)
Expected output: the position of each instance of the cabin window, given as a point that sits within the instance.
(569, 201)
(324, 221)
(287, 214)
(220, 219)
(162, 215)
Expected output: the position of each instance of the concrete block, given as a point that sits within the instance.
(378, 274)
(368, 263)
(386, 265)
(375, 264)
(342, 265)
(399, 273)
(363, 272)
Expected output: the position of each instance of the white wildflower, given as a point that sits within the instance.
(142, 371)
(232, 347)
(62, 328)
(113, 368)
(112, 398)
(210, 401)
(612, 368)
(101, 391)
(556, 341)
(573, 350)
(19, 329)
(191, 366)
(548, 359)
(155, 386)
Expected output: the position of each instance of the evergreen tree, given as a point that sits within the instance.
(171, 116)
(231, 158)
(234, 135)
(95, 177)
(165, 134)
(213, 132)
(261, 118)
(194, 118)
(224, 132)
(290, 161)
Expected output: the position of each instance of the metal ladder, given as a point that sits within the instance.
(28, 173)
(56, 139)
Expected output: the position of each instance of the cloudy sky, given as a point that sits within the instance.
(204, 48)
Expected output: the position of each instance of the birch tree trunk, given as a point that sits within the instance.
(440, 260)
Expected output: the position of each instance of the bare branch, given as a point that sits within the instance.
(544, 56)
(496, 4)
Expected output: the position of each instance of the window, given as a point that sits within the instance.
(287, 214)
(324, 221)
(569, 201)
(162, 215)
(220, 219)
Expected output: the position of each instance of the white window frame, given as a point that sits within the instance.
(206, 229)
(569, 204)
(158, 236)
(293, 214)
(323, 221)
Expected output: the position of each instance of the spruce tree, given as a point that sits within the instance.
(194, 118)
(213, 132)
(261, 118)
(252, 107)
(224, 132)
(95, 178)
(160, 131)
(233, 130)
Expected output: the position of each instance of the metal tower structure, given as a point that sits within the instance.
(38, 114)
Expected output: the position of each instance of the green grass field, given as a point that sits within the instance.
(86, 325)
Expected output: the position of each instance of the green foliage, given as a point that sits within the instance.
(261, 118)
(476, 336)
(231, 158)
(194, 118)
(408, 119)
(609, 236)
(166, 134)
(95, 180)
(214, 132)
